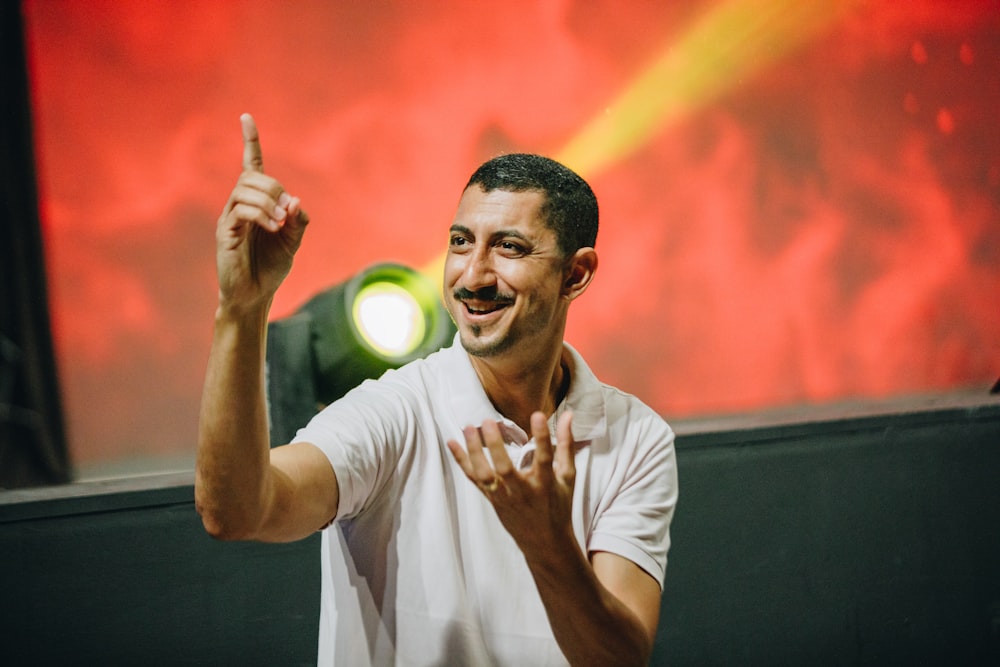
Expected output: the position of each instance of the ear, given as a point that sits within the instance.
(579, 272)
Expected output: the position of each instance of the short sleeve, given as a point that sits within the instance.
(362, 435)
(638, 506)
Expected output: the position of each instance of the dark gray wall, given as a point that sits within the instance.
(866, 541)
(857, 540)
(129, 577)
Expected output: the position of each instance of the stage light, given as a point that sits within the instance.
(382, 318)
(389, 318)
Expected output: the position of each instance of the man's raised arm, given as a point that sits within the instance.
(243, 489)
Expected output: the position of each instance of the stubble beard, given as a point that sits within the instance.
(472, 340)
(477, 347)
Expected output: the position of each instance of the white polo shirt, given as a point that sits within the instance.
(417, 569)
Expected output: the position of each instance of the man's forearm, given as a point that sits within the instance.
(590, 624)
(232, 462)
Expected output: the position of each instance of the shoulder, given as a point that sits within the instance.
(417, 381)
(396, 399)
(626, 419)
(627, 410)
(640, 436)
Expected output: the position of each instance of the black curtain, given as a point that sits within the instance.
(32, 434)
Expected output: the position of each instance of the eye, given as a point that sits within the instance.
(457, 241)
(512, 248)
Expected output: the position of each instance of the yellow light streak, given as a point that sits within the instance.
(723, 48)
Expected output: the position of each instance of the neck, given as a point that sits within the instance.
(518, 390)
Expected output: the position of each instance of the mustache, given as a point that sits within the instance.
(484, 294)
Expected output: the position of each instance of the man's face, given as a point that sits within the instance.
(503, 274)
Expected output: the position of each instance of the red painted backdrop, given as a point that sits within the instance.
(811, 215)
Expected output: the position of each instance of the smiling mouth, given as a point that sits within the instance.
(483, 309)
(482, 303)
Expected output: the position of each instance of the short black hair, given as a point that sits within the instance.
(570, 207)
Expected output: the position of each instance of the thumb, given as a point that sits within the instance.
(296, 214)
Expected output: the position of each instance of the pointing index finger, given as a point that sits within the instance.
(253, 160)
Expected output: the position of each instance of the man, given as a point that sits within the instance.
(460, 534)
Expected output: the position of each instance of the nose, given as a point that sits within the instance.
(478, 270)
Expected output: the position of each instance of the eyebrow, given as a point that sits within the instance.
(502, 233)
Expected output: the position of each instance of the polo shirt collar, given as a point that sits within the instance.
(471, 405)
(585, 398)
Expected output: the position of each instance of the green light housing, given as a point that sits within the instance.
(382, 318)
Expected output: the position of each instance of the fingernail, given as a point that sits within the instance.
(284, 199)
(280, 213)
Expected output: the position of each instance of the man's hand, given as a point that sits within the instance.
(258, 233)
(603, 608)
(535, 505)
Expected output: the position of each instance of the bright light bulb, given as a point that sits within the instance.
(389, 319)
